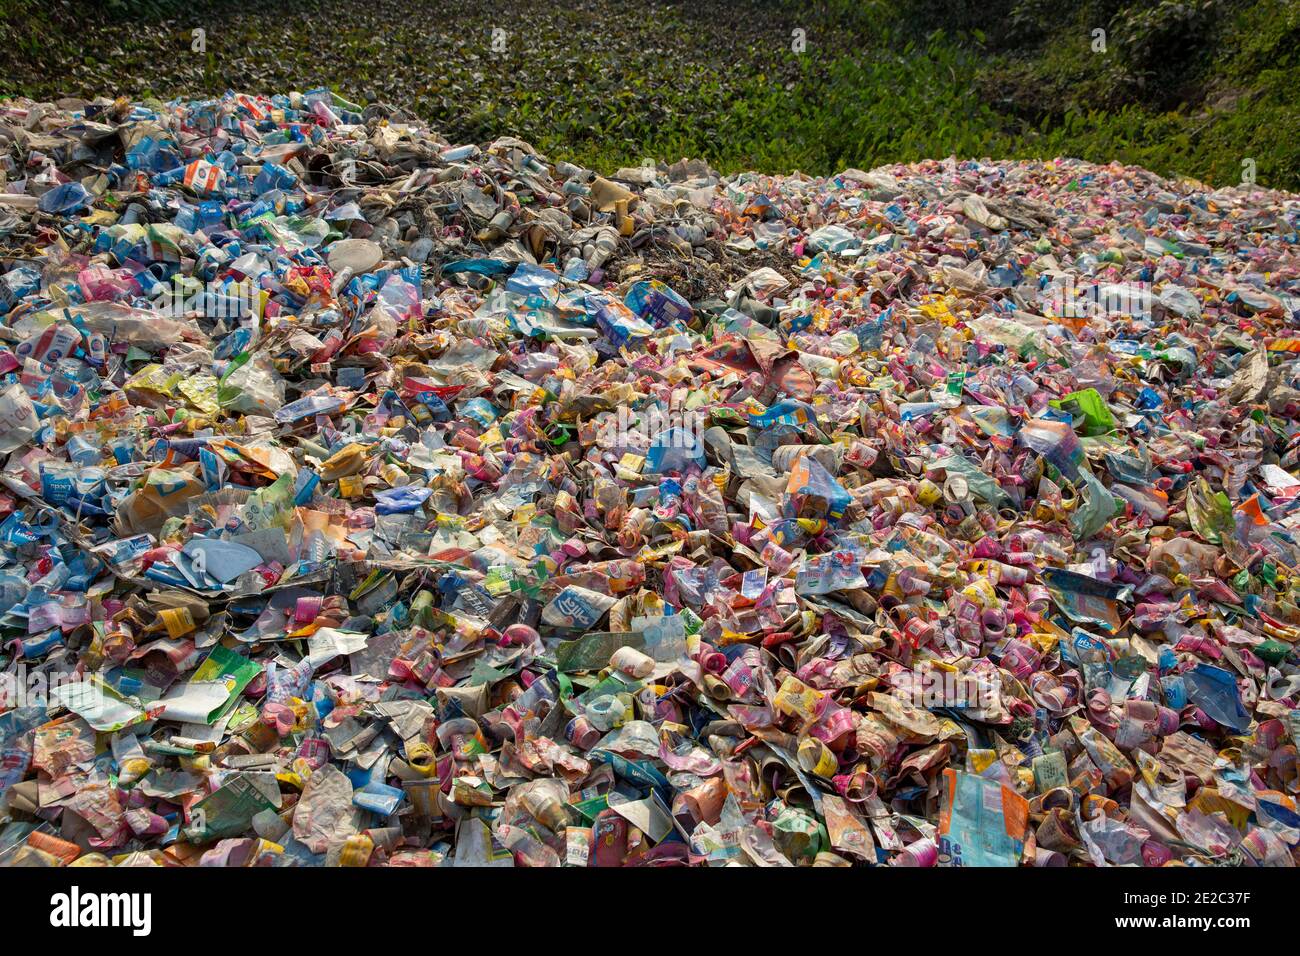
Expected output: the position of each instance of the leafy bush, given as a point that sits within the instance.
(1189, 88)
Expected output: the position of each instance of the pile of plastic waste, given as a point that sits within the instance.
(370, 499)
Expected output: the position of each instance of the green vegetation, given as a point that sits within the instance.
(1188, 88)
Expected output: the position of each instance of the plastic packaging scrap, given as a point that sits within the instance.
(375, 500)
